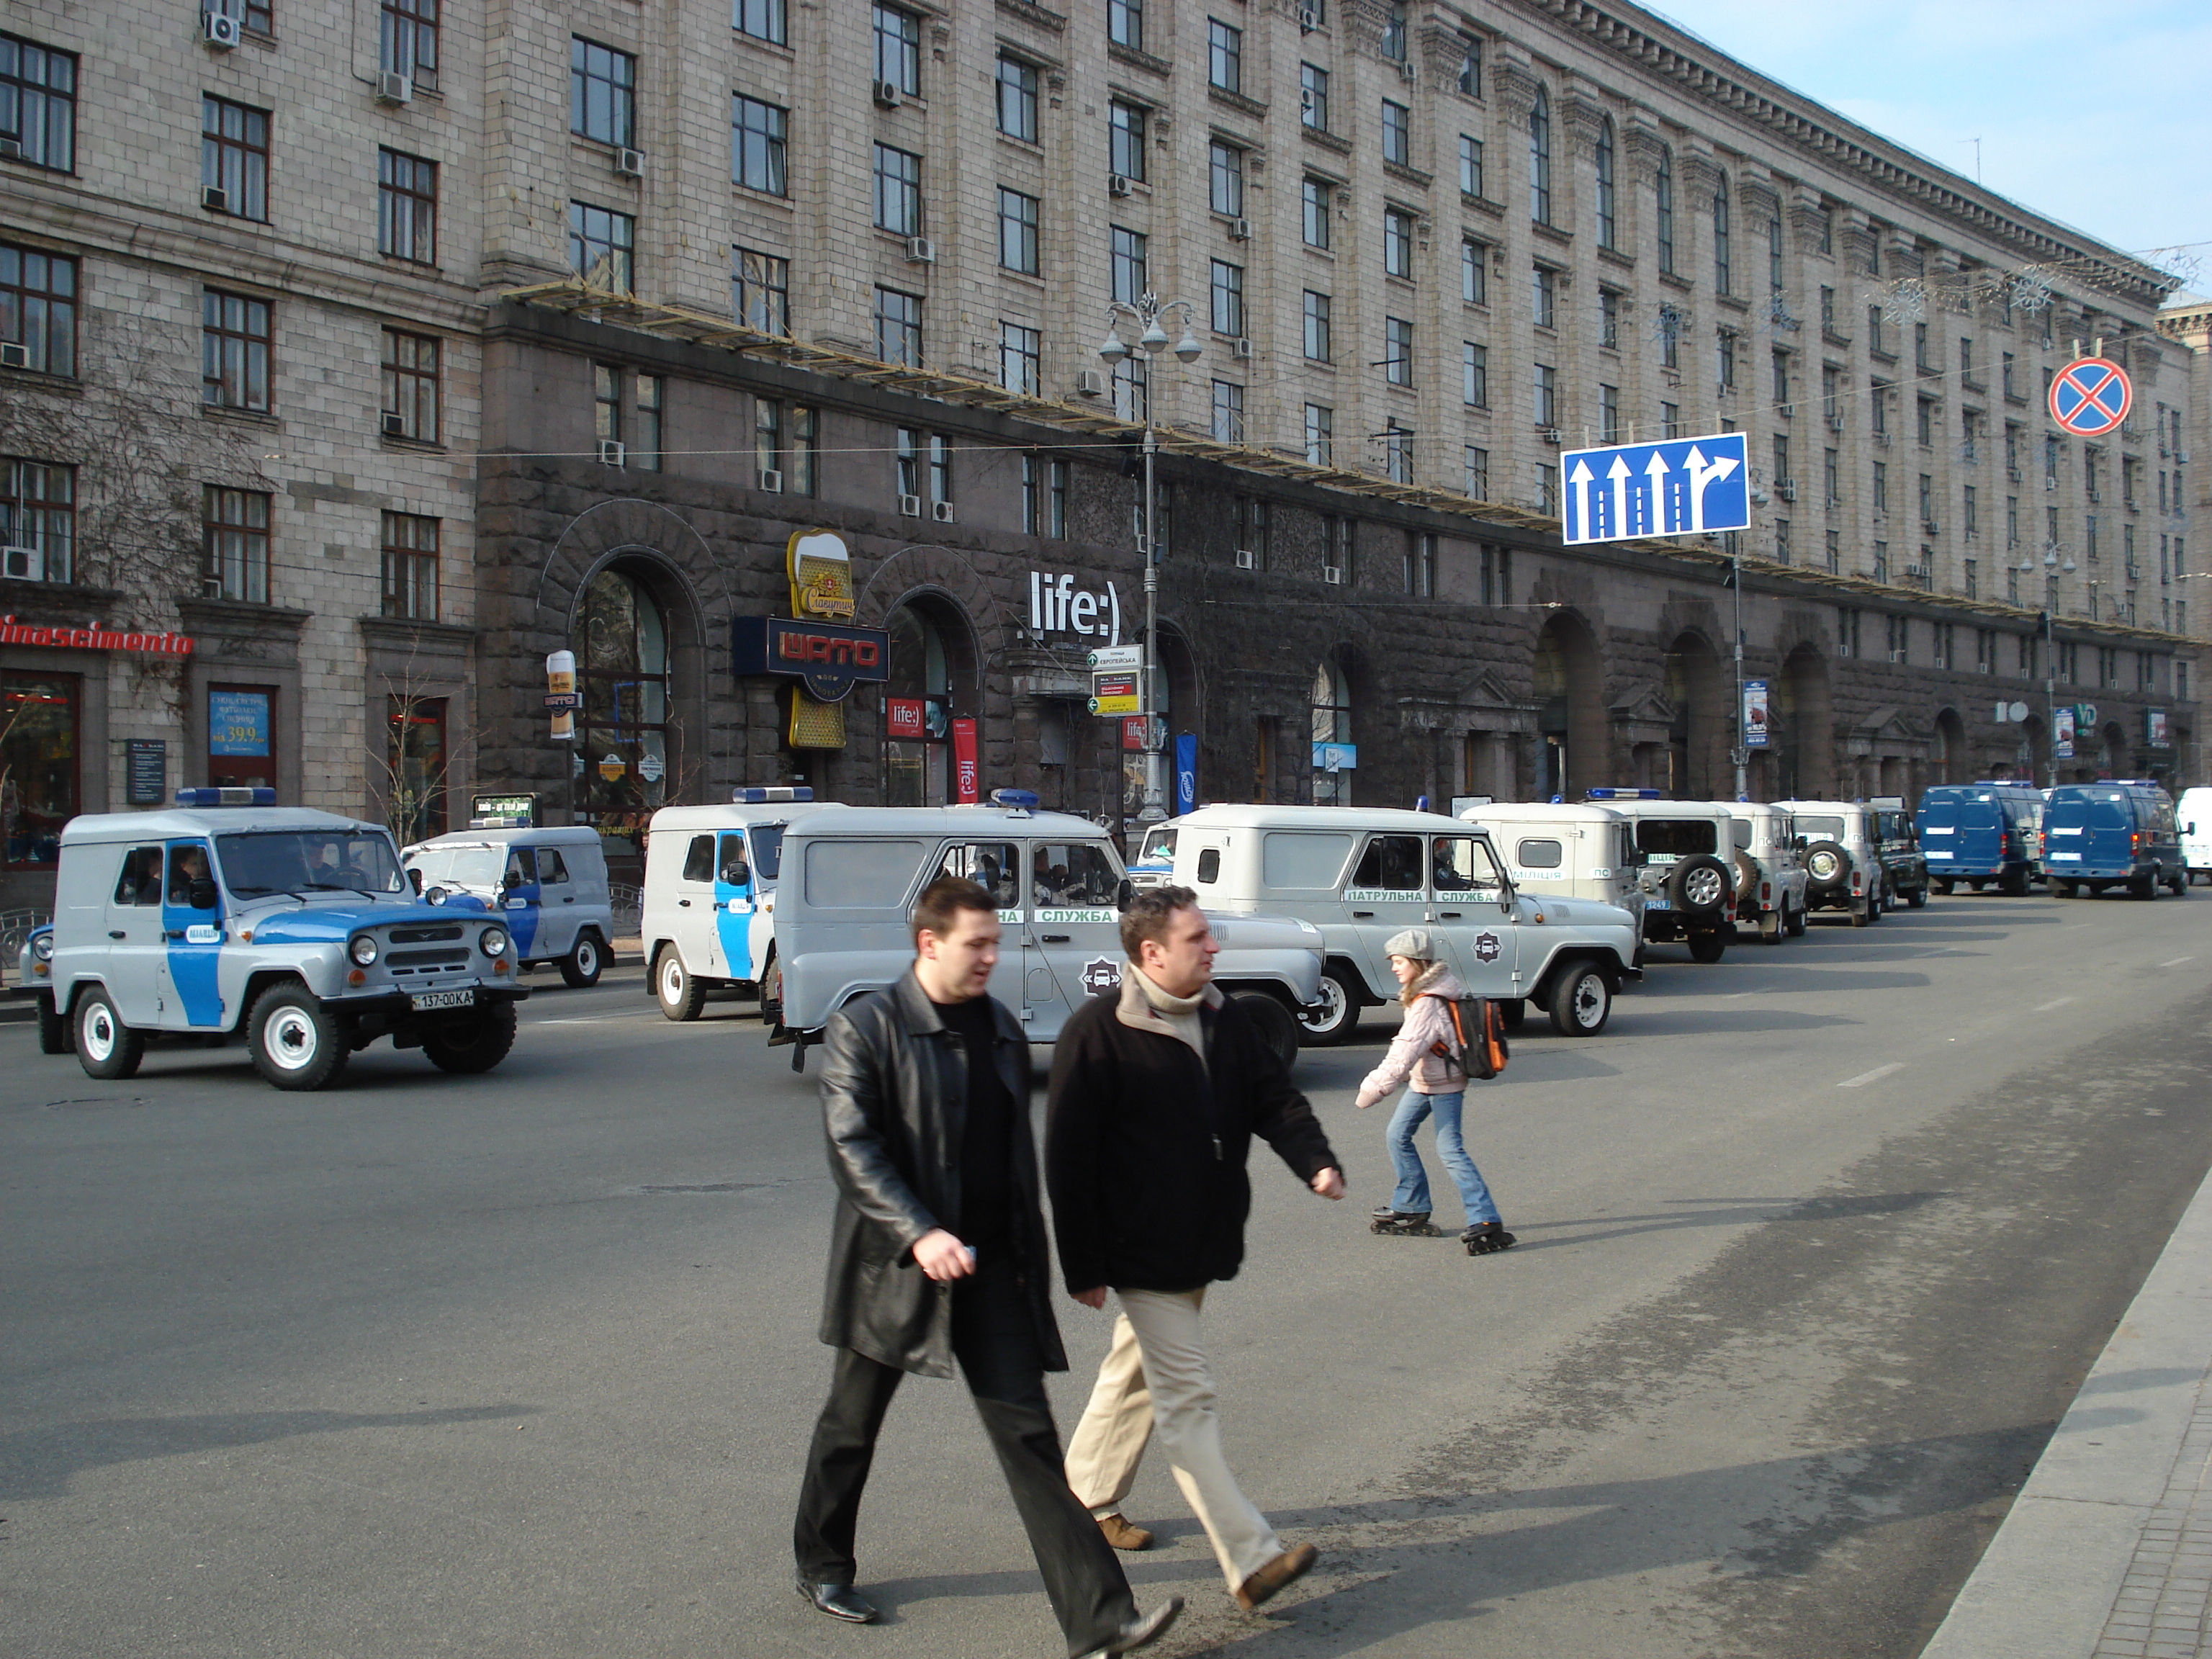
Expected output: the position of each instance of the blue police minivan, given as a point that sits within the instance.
(2116, 834)
(1979, 833)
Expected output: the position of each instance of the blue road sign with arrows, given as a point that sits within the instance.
(1684, 487)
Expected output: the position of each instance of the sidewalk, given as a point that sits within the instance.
(2107, 1552)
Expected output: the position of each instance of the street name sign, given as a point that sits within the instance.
(1684, 487)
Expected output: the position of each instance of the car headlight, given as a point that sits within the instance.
(492, 941)
(362, 950)
(43, 947)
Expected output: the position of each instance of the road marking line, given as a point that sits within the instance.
(2055, 1002)
(1875, 1076)
(2177, 962)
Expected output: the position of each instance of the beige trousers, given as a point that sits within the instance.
(1155, 1376)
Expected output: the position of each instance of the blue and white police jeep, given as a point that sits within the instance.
(230, 917)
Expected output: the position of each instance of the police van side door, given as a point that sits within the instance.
(694, 927)
(735, 898)
(1471, 912)
(995, 867)
(191, 994)
(130, 965)
(517, 900)
(1072, 886)
(556, 902)
(1388, 891)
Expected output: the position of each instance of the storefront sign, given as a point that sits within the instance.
(821, 572)
(1755, 734)
(520, 809)
(94, 639)
(906, 717)
(650, 768)
(1058, 606)
(830, 660)
(146, 771)
(1336, 757)
(967, 779)
(1114, 694)
(2155, 733)
(611, 767)
(237, 723)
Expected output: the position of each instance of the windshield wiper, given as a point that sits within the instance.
(237, 892)
(333, 887)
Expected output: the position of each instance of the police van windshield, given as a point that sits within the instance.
(768, 849)
(460, 866)
(1159, 845)
(308, 861)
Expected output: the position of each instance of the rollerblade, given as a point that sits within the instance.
(1486, 1237)
(1406, 1224)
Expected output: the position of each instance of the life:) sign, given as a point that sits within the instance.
(1058, 606)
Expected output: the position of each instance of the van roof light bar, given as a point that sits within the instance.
(1623, 794)
(757, 797)
(230, 795)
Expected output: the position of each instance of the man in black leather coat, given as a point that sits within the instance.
(938, 1253)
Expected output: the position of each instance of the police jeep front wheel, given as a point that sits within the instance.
(1336, 1017)
(296, 1042)
(1582, 1000)
(1277, 1027)
(475, 1044)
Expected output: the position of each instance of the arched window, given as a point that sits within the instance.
(1664, 215)
(622, 731)
(1539, 159)
(1332, 724)
(1721, 238)
(918, 770)
(1607, 222)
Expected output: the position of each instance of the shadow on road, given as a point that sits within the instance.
(1720, 1212)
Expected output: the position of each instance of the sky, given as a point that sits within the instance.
(2093, 115)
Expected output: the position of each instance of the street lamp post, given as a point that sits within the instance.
(1147, 310)
(2052, 565)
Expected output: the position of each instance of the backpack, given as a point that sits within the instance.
(1477, 1045)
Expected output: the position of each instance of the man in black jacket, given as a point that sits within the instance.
(1156, 1096)
(937, 1253)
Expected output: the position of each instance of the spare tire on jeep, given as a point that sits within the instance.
(1827, 870)
(1698, 887)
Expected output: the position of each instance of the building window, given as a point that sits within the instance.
(1017, 99)
(767, 435)
(1473, 374)
(38, 103)
(759, 154)
(898, 327)
(1608, 319)
(1548, 487)
(1774, 256)
(1544, 296)
(1126, 264)
(1021, 359)
(234, 157)
(1421, 571)
(41, 757)
(1539, 159)
(1832, 477)
(763, 20)
(1970, 519)
(1397, 133)
(1398, 351)
(415, 762)
(1782, 541)
(1546, 387)
(1132, 383)
(1663, 210)
(407, 41)
(1880, 487)
(648, 392)
(602, 93)
(1228, 412)
(1608, 414)
(235, 336)
(1670, 421)
(1924, 422)
(1722, 251)
(1727, 343)
(410, 566)
(1474, 471)
(1920, 358)
(38, 307)
(1318, 345)
(1834, 550)
(1331, 723)
(622, 648)
(760, 291)
(1033, 494)
(898, 191)
(1470, 165)
(1313, 96)
(940, 469)
(1470, 67)
(602, 245)
(1781, 366)
(606, 403)
(1397, 453)
(1608, 214)
(1313, 210)
(1055, 519)
(38, 511)
(1125, 23)
(1928, 502)
(1124, 140)
(407, 207)
(898, 50)
(1397, 242)
(907, 462)
(1225, 176)
(1225, 56)
(1321, 435)
(234, 525)
(1475, 273)
(1019, 231)
(411, 386)
(1393, 30)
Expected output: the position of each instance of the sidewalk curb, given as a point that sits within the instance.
(2044, 1589)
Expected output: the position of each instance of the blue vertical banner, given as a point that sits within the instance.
(1186, 773)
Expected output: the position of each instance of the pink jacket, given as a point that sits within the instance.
(1427, 1022)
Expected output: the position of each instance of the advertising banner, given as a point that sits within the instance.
(2155, 733)
(1186, 773)
(967, 779)
(906, 717)
(561, 681)
(2062, 732)
(237, 723)
(1755, 729)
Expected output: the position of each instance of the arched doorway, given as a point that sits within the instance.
(1570, 710)
(1331, 703)
(625, 763)
(1804, 728)
(932, 663)
(1698, 741)
(1949, 761)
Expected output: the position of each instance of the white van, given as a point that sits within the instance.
(1362, 873)
(1574, 851)
(549, 885)
(2193, 814)
(708, 919)
(1770, 889)
(1689, 876)
(856, 871)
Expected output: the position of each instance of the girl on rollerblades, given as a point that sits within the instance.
(1422, 1057)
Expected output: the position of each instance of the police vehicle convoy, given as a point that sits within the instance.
(709, 921)
(294, 931)
(1980, 834)
(549, 885)
(2120, 834)
(1689, 876)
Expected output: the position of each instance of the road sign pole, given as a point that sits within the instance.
(1741, 754)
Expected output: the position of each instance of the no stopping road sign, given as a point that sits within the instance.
(2090, 397)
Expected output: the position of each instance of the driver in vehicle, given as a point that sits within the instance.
(186, 866)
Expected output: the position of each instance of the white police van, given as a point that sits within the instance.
(550, 886)
(1565, 848)
(708, 920)
(294, 930)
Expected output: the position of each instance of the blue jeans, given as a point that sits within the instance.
(1413, 1194)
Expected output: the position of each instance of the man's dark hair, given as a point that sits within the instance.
(937, 910)
(1150, 915)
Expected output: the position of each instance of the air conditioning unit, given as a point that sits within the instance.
(1929, 527)
(1882, 440)
(1787, 412)
(395, 424)
(14, 356)
(2181, 458)
(1242, 348)
(1550, 434)
(1787, 489)
(771, 481)
(911, 507)
(1333, 572)
(220, 30)
(393, 87)
(2012, 475)
(1896, 656)
(1090, 382)
(214, 199)
(1835, 424)
(1306, 101)
(1406, 70)
(611, 451)
(1248, 559)
(1240, 230)
(2050, 481)
(23, 564)
(920, 251)
(1309, 19)
(11, 150)
(630, 163)
(886, 93)
(1117, 185)
(941, 511)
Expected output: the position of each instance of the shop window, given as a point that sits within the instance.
(241, 736)
(918, 772)
(40, 765)
(414, 758)
(622, 749)
(1332, 724)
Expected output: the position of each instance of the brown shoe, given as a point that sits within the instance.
(1122, 1534)
(1285, 1569)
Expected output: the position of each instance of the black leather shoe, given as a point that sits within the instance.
(843, 1602)
(1143, 1630)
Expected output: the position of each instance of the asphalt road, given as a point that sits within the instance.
(1816, 1244)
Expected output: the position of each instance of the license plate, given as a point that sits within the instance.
(1658, 904)
(423, 1001)
(1939, 852)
